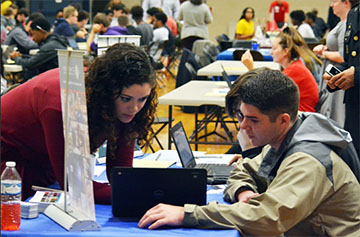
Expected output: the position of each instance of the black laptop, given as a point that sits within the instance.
(216, 173)
(136, 190)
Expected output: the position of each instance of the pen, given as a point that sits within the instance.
(158, 156)
(38, 188)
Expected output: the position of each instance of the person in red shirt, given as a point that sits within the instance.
(285, 52)
(121, 103)
(279, 12)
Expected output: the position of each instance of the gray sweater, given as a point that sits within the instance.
(195, 17)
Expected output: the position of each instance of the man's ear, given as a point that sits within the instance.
(284, 119)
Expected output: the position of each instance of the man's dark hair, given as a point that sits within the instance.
(298, 16)
(196, 2)
(270, 91)
(40, 24)
(23, 11)
(118, 7)
(152, 11)
(353, 2)
(83, 15)
(311, 16)
(137, 12)
(76, 6)
(33, 16)
(161, 17)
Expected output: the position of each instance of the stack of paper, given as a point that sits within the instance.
(29, 210)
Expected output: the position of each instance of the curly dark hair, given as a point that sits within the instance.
(122, 66)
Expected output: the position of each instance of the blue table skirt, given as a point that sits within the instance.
(228, 54)
(110, 226)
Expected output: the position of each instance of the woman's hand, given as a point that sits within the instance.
(319, 49)
(245, 196)
(247, 60)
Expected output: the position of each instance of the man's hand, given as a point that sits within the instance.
(244, 140)
(96, 28)
(245, 196)
(234, 159)
(15, 54)
(248, 60)
(162, 214)
(343, 80)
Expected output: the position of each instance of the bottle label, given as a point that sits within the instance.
(10, 187)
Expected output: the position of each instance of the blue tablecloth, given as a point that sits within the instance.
(111, 226)
(228, 54)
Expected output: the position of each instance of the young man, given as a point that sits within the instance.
(298, 185)
(63, 26)
(46, 58)
(161, 33)
(146, 29)
(19, 36)
(101, 26)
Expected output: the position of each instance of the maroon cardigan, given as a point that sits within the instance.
(32, 135)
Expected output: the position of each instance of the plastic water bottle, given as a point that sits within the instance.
(10, 197)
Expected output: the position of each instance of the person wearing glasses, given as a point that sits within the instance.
(46, 58)
(63, 26)
(298, 185)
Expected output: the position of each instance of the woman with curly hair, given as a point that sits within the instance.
(121, 101)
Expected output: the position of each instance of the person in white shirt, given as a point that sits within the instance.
(161, 34)
(117, 10)
(297, 19)
(170, 7)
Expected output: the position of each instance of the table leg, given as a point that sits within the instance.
(170, 121)
(196, 128)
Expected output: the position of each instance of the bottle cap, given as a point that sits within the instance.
(10, 164)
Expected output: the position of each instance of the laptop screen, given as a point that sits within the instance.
(182, 146)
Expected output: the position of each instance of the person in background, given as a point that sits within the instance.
(332, 53)
(332, 19)
(124, 21)
(171, 8)
(145, 29)
(5, 4)
(59, 15)
(310, 19)
(19, 36)
(117, 10)
(307, 57)
(161, 34)
(46, 58)
(7, 20)
(279, 12)
(301, 184)
(319, 22)
(196, 15)
(348, 79)
(245, 28)
(79, 26)
(63, 26)
(101, 26)
(297, 19)
(286, 53)
(121, 104)
(21, 16)
(111, 3)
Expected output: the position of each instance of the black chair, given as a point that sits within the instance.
(164, 122)
(246, 44)
(257, 56)
(226, 44)
(211, 52)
